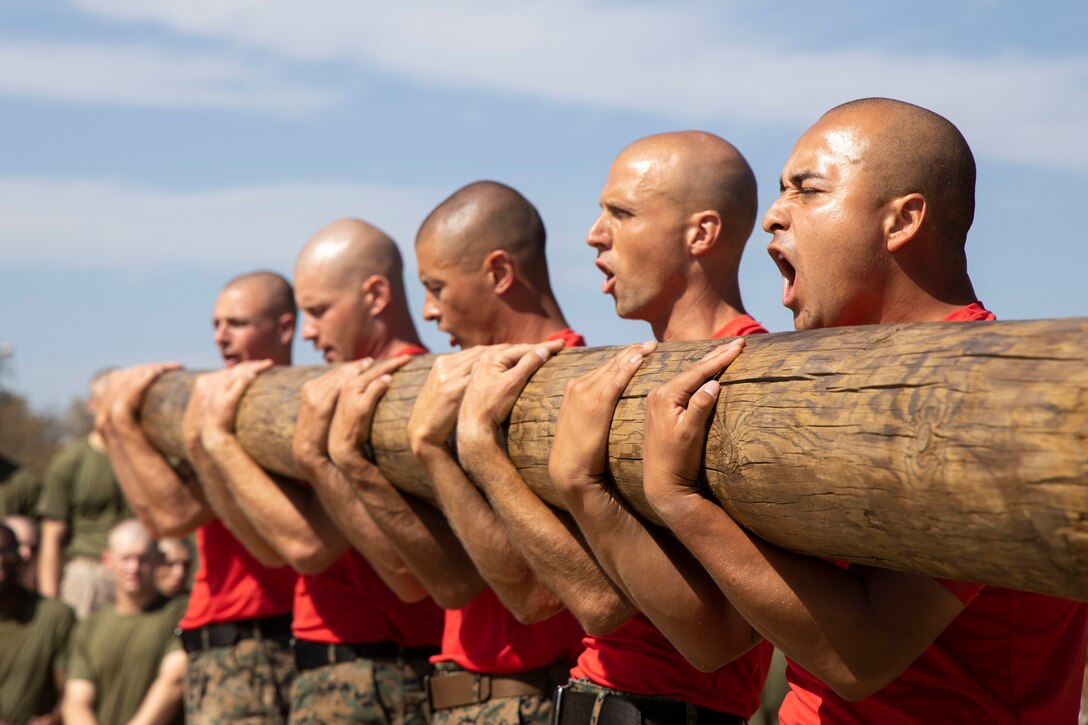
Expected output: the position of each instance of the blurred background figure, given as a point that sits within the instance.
(175, 565)
(27, 534)
(20, 488)
(34, 636)
(80, 502)
(127, 663)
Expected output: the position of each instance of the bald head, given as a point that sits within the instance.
(349, 285)
(909, 149)
(347, 252)
(482, 217)
(128, 534)
(699, 171)
(271, 291)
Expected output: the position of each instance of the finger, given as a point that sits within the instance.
(530, 362)
(703, 402)
(617, 362)
(368, 403)
(688, 381)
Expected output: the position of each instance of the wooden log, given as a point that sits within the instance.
(946, 449)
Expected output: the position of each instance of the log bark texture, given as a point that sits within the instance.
(946, 449)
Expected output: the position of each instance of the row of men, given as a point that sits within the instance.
(494, 593)
(122, 663)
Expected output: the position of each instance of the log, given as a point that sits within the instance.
(945, 449)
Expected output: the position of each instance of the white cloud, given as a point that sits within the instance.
(676, 59)
(99, 224)
(145, 76)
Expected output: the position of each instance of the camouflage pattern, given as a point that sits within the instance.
(249, 682)
(524, 710)
(383, 692)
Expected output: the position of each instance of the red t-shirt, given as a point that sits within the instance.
(231, 585)
(637, 658)
(349, 602)
(483, 636)
(1009, 657)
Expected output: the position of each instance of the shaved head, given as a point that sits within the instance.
(348, 251)
(254, 319)
(349, 285)
(482, 217)
(129, 533)
(910, 149)
(271, 290)
(699, 171)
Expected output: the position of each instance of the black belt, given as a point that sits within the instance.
(576, 708)
(310, 655)
(226, 634)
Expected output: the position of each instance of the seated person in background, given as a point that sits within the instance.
(127, 665)
(27, 534)
(174, 566)
(34, 636)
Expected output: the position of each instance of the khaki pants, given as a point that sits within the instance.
(86, 585)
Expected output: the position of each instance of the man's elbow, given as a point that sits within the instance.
(536, 608)
(308, 557)
(455, 595)
(602, 615)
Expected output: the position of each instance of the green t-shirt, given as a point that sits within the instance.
(19, 490)
(81, 490)
(121, 655)
(33, 648)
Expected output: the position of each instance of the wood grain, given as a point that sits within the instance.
(947, 449)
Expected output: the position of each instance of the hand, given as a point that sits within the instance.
(581, 433)
(494, 387)
(125, 391)
(435, 409)
(317, 402)
(350, 429)
(676, 424)
(219, 394)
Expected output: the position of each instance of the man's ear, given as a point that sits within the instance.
(904, 220)
(501, 270)
(706, 227)
(286, 324)
(377, 293)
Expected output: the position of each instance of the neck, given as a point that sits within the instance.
(527, 313)
(392, 336)
(126, 603)
(909, 301)
(701, 311)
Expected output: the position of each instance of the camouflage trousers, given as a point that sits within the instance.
(381, 691)
(248, 682)
(524, 710)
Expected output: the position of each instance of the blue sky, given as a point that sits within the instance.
(154, 149)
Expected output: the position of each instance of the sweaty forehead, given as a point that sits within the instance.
(825, 151)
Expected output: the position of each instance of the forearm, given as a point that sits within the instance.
(855, 628)
(424, 540)
(355, 523)
(51, 557)
(486, 540)
(285, 515)
(167, 503)
(226, 507)
(163, 699)
(549, 541)
(664, 582)
(77, 706)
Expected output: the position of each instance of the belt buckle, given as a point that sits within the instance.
(481, 688)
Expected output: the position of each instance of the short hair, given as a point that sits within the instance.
(919, 151)
(281, 296)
